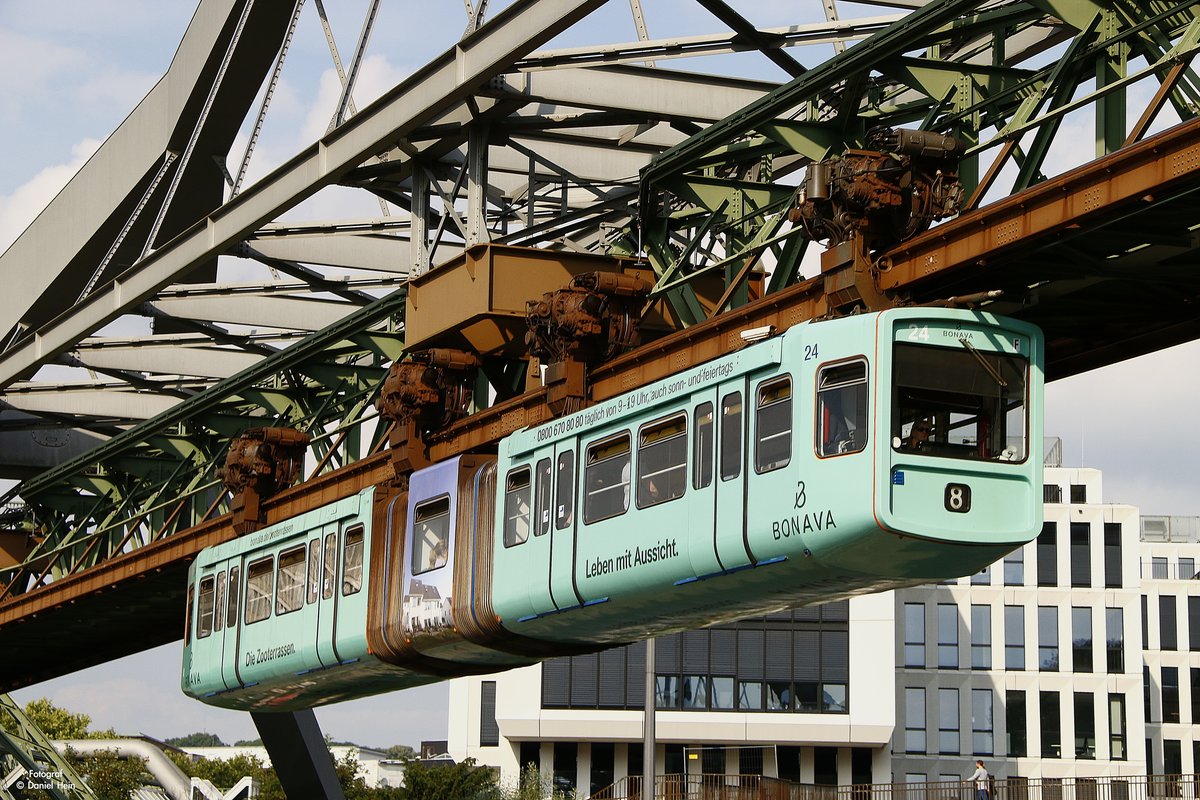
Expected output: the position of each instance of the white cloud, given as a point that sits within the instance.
(20, 208)
(376, 76)
(31, 63)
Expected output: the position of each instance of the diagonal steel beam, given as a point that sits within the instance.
(742, 26)
(444, 82)
(888, 43)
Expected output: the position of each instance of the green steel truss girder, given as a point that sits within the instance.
(24, 747)
(957, 66)
(158, 477)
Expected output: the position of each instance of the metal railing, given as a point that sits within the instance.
(1132, 787)
(759, 787)
(716, 787)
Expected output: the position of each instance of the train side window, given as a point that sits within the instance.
(352, 561)
(773, 425)
(314, 570)
(542, 497)
(662, 461)
(219, 611)
(330, 570)
(564, 493)
(235, 588)
(702, 455)
(607, 478)
(431, 535)
(204, 614)
(731, 436)
(260, 577)
(842, 408)
(187, 615)
(516, 507)
(289, 591)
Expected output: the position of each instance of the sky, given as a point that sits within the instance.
(84, 65)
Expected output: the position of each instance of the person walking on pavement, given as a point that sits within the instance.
(980, 776)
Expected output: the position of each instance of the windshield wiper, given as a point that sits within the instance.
(983, 362)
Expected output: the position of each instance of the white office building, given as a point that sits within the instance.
(1077, 657)
(1033, 665)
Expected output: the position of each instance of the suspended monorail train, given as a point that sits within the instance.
(841, 457)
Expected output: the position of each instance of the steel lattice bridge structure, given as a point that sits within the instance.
(501, 169)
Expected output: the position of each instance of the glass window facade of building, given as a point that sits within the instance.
(1195, 720)
(1081, 639)
(1114, 623)
(1050, 718)
(1167, 639)
(1112, 555)
(1048, 638)
(790, 661)
(981, 722)
(948, 731)
(1078, 493)
(1014, 568)
(1194, 623)
(1014, 637)
(947, 622)
(1117, 748)
(981, 637)
(914, 720)
(1081, 556)
(1170, 694)
(1016, 725)
(914, 634)
(1085, 725)
(1047, 555)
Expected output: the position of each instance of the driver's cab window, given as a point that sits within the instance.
(431, 535)
(842, 408)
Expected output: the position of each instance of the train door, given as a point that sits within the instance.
(561, 578)
(547, 513)
(731, 469)
(326, 615)
(772, 492)
(702, 541)
(233, 627)
(208, 649)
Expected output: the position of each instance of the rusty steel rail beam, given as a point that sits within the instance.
(187, 544)
(658, 359)
(1140, 173)
(1144, 172)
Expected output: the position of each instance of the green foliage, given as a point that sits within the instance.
(198, 739)
(463, 781)
(110, 777)
(55, 722)
(225, 772)
(400, 752)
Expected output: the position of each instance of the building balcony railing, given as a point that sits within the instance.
(758, 787)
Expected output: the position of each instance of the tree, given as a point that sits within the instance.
(400, 752)
(463, 781)
(225, 772)
(198, 739)
(55, 722)
(110, 777)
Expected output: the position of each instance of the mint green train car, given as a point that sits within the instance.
(841, 457)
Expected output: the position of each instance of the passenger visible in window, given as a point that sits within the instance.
(918, 436)
(437, 556)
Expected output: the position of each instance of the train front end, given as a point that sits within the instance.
(959, 451)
